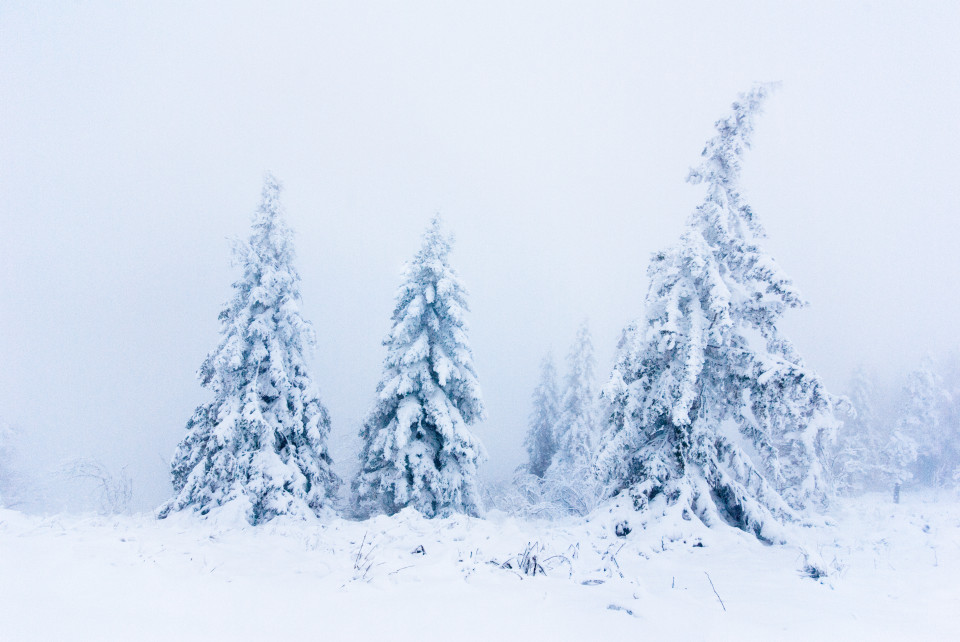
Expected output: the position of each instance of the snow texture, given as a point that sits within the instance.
(259, 448)
(417, 447)
(879, 571)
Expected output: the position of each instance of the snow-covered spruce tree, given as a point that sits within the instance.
(20, 483)
(615, 398)
(260, 445)
(417, 447)
(951, 418)
(541, 441)
(577, 426)
(6, 464)
(873, 447)
(571, 482)
(897, 456)
(853, 460)
(923, 420)
(709, 405)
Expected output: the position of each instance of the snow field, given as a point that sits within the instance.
(894, 572)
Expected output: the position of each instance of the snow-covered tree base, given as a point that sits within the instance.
(239, 510)
(716, 485)
(389, 490)
(694, 497)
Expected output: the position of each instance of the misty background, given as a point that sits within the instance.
(553, 138)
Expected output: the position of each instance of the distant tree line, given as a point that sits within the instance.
(908, 436)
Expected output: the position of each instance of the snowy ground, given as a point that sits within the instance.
(896, 575)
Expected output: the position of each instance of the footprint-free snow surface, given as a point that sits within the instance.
(891, 572)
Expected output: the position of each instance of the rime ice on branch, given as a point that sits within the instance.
(708, 405)
(260, 445)
(417, 448)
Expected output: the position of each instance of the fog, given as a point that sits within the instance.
(553, 138)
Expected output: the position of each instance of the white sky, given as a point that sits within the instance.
(553, 137)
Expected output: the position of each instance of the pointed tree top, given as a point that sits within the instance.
(722, 153)
(270, 206)
(435, 243)
(270, 232)
(547, 361)
(271, 183)
(583, 344)
(583, 331)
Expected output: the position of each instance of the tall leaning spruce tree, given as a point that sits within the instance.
(710, 407)
(260, 446)
(418, 449)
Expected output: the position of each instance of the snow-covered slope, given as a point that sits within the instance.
(894, 572)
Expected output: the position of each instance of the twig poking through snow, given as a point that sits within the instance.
(356, 562)
(364, 560)
(715, 590)
(402, 568)
(617, 607)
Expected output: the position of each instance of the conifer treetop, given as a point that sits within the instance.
(758, 287)
(428, 342)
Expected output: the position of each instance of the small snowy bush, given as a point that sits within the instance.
(114, 491)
